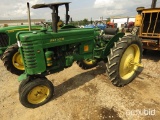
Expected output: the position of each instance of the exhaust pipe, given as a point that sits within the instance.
(153, 5)
(29, 17)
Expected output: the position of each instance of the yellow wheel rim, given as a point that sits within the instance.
(17, 61)
(128, 62)
(89, 61)
(38, 94)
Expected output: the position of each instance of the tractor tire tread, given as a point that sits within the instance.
(31, 84)
(114, 59)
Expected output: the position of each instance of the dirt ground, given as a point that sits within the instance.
(88, 95)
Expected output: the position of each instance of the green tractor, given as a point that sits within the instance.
(9, 48)
(51, 50)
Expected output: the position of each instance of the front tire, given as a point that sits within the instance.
(124, 60)
(36, 93)
(12, 60)
(24, 82)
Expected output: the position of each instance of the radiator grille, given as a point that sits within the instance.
(29, 55)
(4, 40)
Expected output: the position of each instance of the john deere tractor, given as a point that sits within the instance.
(9, 48)
(51, 50)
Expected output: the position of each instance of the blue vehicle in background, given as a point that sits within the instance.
(98, 24)
(101, 26)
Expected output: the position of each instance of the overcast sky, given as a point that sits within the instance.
(79, 9)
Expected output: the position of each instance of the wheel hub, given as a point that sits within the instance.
(38, 94)
(17, 61)
(128, 60)
(89, 61)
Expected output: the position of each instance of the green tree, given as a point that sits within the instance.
(108, 20)
(85, 21)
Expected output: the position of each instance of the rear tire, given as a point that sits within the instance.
(122, 66)
(36, 93)
(12, 60)
(87, 64)
(145, 51)
(135, 31)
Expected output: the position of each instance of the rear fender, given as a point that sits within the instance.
(67, 27)
(111, 43)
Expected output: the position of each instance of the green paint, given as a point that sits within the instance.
(64, 47)
(10, 33)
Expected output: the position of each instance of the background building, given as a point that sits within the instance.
(19, 22)
(121, 20)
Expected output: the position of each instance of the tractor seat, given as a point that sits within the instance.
(111, 31)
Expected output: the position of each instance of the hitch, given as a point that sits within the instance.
(137, 64)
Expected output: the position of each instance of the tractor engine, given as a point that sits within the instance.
(45, 52)
(57, 56)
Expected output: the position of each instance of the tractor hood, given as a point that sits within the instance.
(64, 36)
(12, 29)
(8, 35)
